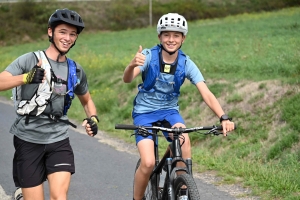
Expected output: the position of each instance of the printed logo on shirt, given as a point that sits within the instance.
(167, 68)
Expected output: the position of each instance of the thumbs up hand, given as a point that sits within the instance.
(140, 49)
(139, 58)
(35, 75)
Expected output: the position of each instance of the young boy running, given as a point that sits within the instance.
(44, 85)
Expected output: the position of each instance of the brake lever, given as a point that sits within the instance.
(142, 131)
(214, 131)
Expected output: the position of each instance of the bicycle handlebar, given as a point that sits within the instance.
(212, 129)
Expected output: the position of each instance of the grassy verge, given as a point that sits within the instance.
(250, 61)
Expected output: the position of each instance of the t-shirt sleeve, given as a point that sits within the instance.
(193, 73)
(22, 64)
(82, 88)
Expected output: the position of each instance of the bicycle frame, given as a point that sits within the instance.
(173, 180)
(172, 156)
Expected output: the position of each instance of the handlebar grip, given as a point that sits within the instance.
(126, 127)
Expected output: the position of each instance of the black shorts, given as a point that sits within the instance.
(33, 162)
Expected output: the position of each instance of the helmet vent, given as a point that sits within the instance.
(64, 15)
(172, 22)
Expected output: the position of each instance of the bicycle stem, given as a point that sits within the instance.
(175, 146)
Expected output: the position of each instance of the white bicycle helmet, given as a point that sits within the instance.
(172, 22)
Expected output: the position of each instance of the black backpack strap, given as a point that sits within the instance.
(56, 119)
(37, 59)
(27, 119)
(67, 122)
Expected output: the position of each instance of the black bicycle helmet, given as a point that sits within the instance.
(67, 16)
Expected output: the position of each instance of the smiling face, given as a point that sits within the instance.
(64, 36)
(171, 40)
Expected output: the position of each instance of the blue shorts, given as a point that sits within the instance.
(146, 119)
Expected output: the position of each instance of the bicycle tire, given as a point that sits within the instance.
(188, 181)
(151, 189)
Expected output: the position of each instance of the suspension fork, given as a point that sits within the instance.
(156, 169)
(155, 140)
(170, 189)
(177, 153)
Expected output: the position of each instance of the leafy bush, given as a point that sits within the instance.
(29, 18)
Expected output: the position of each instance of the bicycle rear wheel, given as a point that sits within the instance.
(186, 180)
(151, 190)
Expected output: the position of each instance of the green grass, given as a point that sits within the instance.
(251, 62)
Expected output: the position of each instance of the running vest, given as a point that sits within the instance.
(153, 72)
(41, 97)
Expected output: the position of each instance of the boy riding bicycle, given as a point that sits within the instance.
(164, 68)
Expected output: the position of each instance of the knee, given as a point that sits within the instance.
(187, 143)
(147, 166)
(58, 197)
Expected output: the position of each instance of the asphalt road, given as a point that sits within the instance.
(102, 171)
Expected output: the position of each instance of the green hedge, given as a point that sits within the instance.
(27, 21)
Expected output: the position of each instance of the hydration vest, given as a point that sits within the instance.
(73, 81)
(152, 75)
(41, 97)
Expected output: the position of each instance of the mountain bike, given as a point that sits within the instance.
(178, 182)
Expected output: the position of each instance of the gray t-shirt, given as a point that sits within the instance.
(41, 129)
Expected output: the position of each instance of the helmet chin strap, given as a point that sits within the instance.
(170, 53)
(60, 52)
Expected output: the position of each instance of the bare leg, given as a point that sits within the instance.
(33, 193)
(186, 147)
(59, 183)
(146, 150)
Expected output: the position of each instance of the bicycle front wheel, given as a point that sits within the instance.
(186, 181)
(151, 190)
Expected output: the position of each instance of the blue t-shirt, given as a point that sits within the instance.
(149, 102)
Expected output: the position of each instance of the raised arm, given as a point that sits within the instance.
(132, 70)
(8, 81)
(35, 75)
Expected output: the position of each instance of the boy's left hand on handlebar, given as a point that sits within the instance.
(90, 125)
(227, 126)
